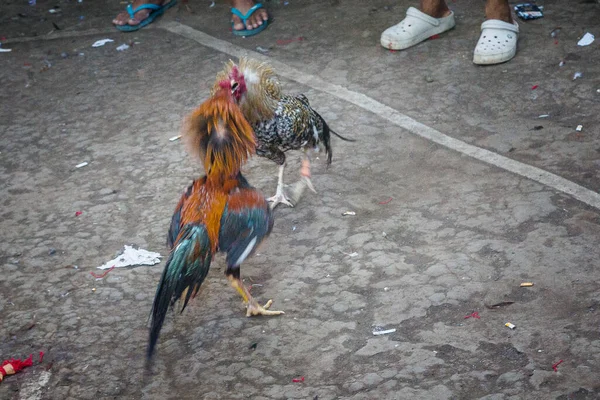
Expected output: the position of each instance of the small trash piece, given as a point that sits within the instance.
(123, 47)
(526, 284)
(81, 165)
(12, 366)
(509, 325)
(384, 202)
(132, 257)
(544, 116)
(102, 275)
(174, 138)
(78, 213)
(528, 11)
(577, 75)
(262, 50)
(348, 213)
(474, 315)
(53, 11)
(3, 50)
(534, 87)
(298, 380)
(555, 32)
(555, 365)
(385, 332)
(579, 128)
(32, 2)
(561, 63)
(283, 42)
(586, 40)
(212, 4)
(102, 42)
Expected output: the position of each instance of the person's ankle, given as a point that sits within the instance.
(437, 12)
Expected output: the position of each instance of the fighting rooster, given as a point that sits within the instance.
(281, 122)
(218, 212)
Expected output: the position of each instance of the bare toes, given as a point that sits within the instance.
(237, 23)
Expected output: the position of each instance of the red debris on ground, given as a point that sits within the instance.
(12, 366)
(78, 213)
(41, 356)
(555, 366)
(103, 275)
(283, 42)
(534, 87)
(473, 315)
(436, 36)
(385, 201)
(298, 380)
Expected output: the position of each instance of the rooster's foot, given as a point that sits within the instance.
(255, 309)
(279, 197)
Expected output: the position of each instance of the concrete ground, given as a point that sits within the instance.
(437, 235)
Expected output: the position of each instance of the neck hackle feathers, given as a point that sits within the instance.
(219, 135)
(259, 96)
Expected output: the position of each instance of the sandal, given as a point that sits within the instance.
(497, 43)
(156, 12)
(415, 28)
(244, 18)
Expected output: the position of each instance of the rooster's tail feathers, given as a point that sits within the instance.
(184, 272)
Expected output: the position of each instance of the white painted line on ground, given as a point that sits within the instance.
(63, 35)
(537, 174)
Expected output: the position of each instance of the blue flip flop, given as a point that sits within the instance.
(156, 12)
(244, 18)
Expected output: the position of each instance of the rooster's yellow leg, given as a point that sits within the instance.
(253, 308)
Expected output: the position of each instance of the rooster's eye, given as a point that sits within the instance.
(234, 86)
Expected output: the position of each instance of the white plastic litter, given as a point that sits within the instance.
(579, 128)
(102, 42)
(132, 257)
(378, 333)
(544, 116)
(577, 75)
(174, 138)
(4, 50)
(81, 165)
(586, 40)
(123, 47)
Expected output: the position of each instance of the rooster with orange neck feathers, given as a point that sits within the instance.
(219, 212)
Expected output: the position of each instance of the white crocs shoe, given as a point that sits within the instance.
(415, 28)
(497, 43)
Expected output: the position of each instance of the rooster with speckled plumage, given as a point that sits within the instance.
(281, 122)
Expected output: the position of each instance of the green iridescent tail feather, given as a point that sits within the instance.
(186, 268)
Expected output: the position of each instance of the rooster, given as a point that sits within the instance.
(281, 122)
(219, 212)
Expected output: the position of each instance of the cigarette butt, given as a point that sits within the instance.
(174, 138)
(526, 284)
(81, 165)
(509, 325)
(348, 213)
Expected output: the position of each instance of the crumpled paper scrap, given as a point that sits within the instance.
(131, 257)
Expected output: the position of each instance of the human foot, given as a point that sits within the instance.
(258, 18)
(124, 18)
